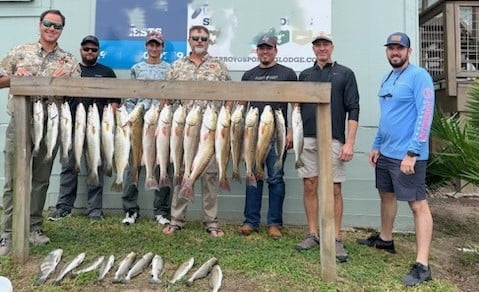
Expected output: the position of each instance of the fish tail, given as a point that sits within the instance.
(64, 159)
(299, 163)
(47, 158)
(40, 281)
(117, 186)
(260, 174)
(35, 150)
(108, 169)
(151, 184)
(77, 167)
(164, 182)
(155, 281)
(278, 164)
(186, 190)
(178, 179)
(251, 180)
(224, 184)
(236, 176)
(92, 178)
(125, 281)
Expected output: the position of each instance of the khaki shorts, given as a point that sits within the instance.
(310, 159)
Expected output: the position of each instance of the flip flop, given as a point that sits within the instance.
(215, 231)
(171, 229)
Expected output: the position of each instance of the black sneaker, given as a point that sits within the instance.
(59, 214)
(419, 273)
(376, 241)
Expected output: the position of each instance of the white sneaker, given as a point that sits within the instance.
(162, 220)
(130, 218)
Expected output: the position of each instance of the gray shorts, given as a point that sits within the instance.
(389, 178)
(310, 159)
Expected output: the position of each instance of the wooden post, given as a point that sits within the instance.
(21, 179)
(326, 196)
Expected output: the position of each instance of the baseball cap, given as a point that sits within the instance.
(154, 36)
(90, 39)
(267, 39)
(398, 38)
(322, 35)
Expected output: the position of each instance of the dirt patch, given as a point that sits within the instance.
(455, 245)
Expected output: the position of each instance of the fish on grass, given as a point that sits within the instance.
(48, 265)
(202, 271)
(138, 267)
(182, 270)
(105, 268)
(125, 265)
(216, 278)
(69, 267)
(157, 269)
(95, 265)
(38, 120)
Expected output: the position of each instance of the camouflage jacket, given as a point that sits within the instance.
(39, 63)
(210, 69)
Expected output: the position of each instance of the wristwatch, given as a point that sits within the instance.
(412, 154)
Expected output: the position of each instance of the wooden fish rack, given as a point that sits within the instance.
(303, 92)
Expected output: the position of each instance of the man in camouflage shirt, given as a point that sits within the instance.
(43, 58)
(199, 66)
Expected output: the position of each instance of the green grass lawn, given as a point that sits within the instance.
(253, 263)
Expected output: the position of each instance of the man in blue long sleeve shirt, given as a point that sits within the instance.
(400, 152)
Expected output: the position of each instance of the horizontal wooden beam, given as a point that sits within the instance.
(310, 92)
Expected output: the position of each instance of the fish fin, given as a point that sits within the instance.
(92, 178)
(151, 184)
(224, 184)
(117, 186)
(186, 190)
(278, 164)
(251, 180)
(164, 182)
(236, 176)
(108, 170)
(299, 163)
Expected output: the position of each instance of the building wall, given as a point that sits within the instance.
(359, 33)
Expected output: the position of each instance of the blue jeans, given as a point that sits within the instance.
(276, 188)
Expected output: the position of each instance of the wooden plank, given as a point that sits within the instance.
(326, 196)
(22, 180)
(311, 92)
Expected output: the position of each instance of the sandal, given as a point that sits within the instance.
(171, 229)
(215, 231)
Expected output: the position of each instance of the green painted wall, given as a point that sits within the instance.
(359, 29)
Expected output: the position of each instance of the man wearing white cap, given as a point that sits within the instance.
(344, 110)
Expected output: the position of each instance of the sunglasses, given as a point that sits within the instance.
(57, 26)
(94, 50)
(197, 38)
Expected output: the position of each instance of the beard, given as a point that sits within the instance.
(88, 61)
(199, 50)
(398, 64)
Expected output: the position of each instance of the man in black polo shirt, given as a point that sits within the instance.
(344, 107)
(90, 50)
